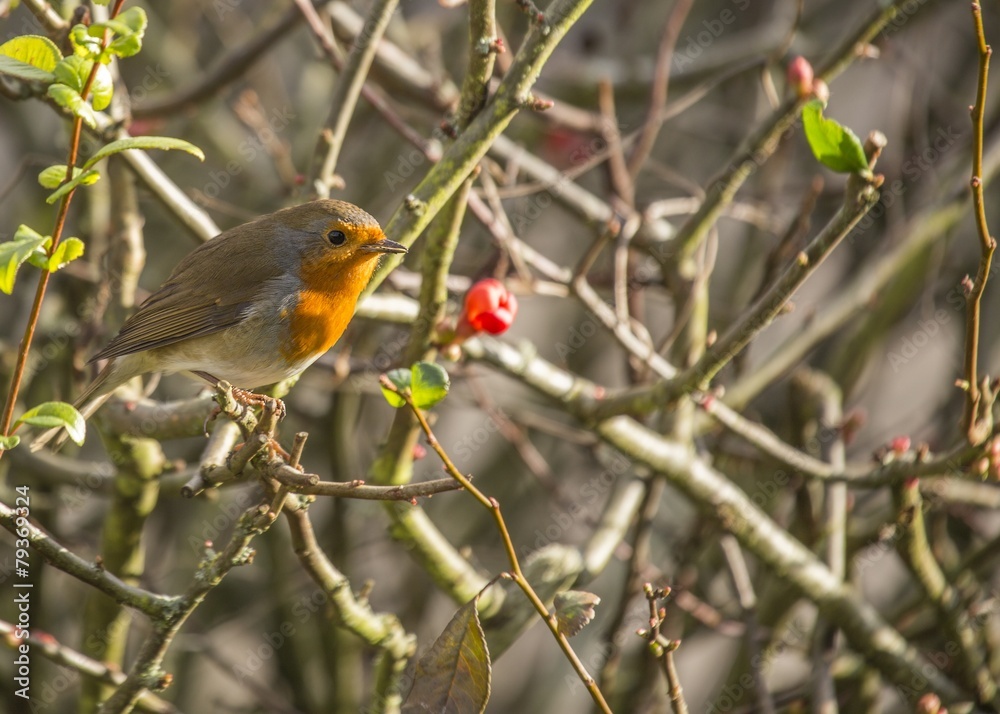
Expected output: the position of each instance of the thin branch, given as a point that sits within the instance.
(345, 95)
(483, 48)
(516, 573)
(764, 142)
(915, 551)
(380, 630)
(445, 177)
(865, 629)
(860, 197)
(979, 401)
(56, 554)
(230, 67)
(92, 669)
(661, 81)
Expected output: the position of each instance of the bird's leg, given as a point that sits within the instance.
(245, 396)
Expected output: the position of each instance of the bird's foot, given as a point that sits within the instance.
(252, 399)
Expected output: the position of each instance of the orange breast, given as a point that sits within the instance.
(325, 306)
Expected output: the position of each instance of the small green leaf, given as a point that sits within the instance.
(30, 57)
(57, 414)
(85, 45)
(13, 253)
(53, 176)
(88, 177)
(165, 143)
(9, 442)
(73, 72)
(102, 88)
(454, 674)
(429, 384)
(128, 28)
(68, 97)
(400, 378)
(835, 146)
(66, 252)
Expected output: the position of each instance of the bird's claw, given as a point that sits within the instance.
(252, 399)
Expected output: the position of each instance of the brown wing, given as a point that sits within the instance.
(206, 293)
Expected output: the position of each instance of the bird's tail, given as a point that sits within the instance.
(92, 399)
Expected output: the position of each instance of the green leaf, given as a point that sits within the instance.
(85, 45)
(68, 97)
(429, 384)
(57, 414)
(835, 146)
(9, 442)
(102, 88)
(454, 675)
(30, 57)
(165, 143)
(128, 28)
(66, 252)
(86, 178)
(73, 72)
(401, 380)
(53, 176)
(13, 253)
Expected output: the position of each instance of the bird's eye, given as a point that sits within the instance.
(336, 237)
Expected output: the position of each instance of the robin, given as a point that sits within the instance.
(255, 305)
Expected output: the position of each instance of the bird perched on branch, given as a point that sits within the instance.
(255, 305)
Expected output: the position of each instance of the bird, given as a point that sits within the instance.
(255, 305)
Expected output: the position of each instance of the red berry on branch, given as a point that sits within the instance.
(489, 307)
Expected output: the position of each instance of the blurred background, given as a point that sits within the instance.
(884, 317)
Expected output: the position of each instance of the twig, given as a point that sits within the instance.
(661, 81)
(345, 94)
(865, 629)
(230, 67)
(394, 464)
(662, 648)
(979, 400)
(763, 143)
(860, 197)
(483, 48)
(146, 672)
(748, 601)
(516, 574)
(380, 630)
(92, 669)
(926, 227)
(46, 14)
(632, 584)
(57, 233)
(149, 603)
(445, 177)
(820, 402)
(915, 551)
(313, 486)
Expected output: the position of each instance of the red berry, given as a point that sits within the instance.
(489, 307)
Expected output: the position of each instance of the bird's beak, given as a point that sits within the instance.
(384, 246)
